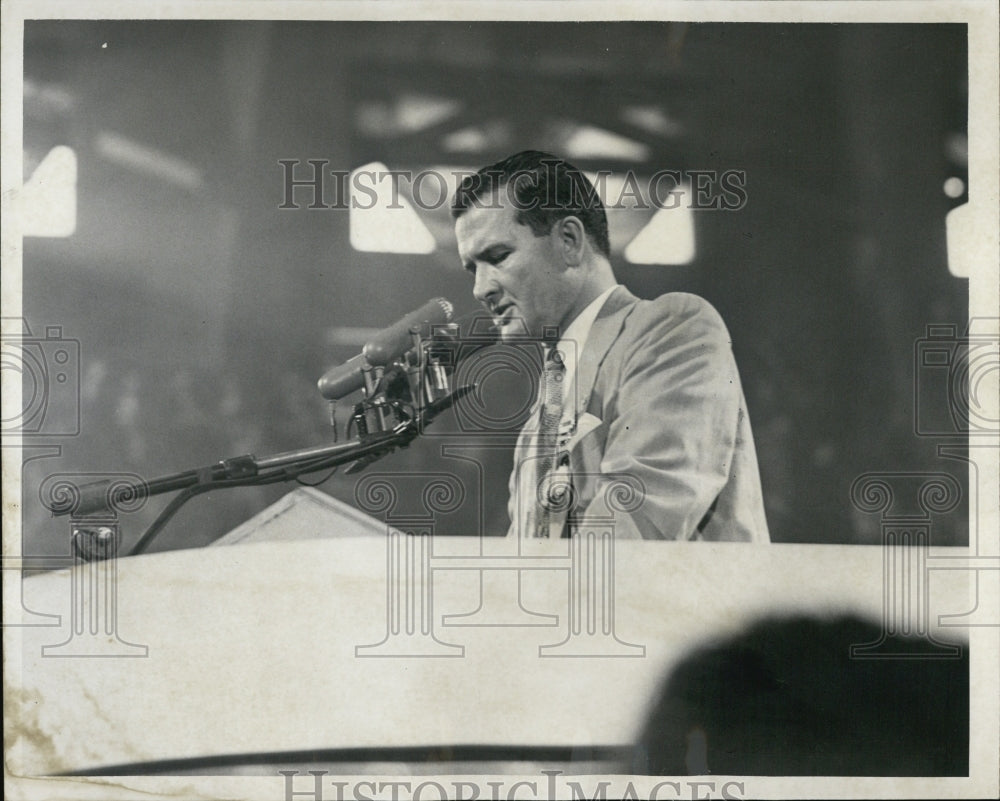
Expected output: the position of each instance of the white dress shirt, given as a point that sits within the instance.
(570, 346)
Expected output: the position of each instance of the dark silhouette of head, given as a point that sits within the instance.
(786, 698)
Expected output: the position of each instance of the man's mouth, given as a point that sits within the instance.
(502, 315)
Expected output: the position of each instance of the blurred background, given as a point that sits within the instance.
(207, 299)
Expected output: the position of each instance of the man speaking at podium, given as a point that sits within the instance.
(643, 389)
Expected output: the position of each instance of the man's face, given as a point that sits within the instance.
(522, 279)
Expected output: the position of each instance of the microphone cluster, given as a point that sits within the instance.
(403, 370)
(385, 347)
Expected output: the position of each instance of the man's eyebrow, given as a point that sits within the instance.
(488, 253)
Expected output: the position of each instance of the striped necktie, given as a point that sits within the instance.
(548, 433)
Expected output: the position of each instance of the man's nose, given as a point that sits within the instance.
(485, 288)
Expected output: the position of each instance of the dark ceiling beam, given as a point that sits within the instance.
(557, 49)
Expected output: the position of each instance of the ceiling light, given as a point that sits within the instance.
(382, 220)
(48, 199)
(589, 142)
(668, 238)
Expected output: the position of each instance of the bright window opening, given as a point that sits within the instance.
(382, 220)
(48, 199)
(668, 238)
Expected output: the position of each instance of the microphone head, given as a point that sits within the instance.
(384, 348)
(342, 380)
(394, 341)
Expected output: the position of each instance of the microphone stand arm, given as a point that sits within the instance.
(242, 471)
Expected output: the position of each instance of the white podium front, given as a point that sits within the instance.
(297, 639)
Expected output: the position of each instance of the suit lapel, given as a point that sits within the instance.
(603, 333)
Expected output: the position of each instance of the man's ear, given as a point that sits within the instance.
(571, 239)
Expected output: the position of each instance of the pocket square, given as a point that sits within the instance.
(585, 423)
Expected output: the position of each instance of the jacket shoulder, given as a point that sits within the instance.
(677, 313)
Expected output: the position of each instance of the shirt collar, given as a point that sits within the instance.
(571, 345)
(573, 341)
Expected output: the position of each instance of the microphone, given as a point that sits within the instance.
(388, 344)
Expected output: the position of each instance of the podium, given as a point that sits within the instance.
(304, 513)
(261, 644)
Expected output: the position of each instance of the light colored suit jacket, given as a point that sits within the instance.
(661, 441)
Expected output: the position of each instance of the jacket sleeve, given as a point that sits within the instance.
(671, 420)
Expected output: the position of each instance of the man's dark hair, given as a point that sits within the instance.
(544, 189)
